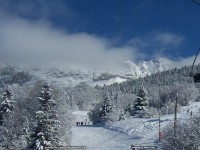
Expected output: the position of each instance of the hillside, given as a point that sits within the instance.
(73, 94)
(71, 77)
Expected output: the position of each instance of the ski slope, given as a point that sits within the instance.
(120, 135)
(110, 137)
(98, 137)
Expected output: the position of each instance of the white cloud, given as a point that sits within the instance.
(40, 44)
(185, 62)
(157, 43)
(37, 9)
(157, 39)
(167, 39)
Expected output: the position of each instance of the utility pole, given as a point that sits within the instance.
(175, 118)
(160, 135)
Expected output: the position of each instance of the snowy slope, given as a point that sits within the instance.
(98, 137)
(145, 131)
(121, 134)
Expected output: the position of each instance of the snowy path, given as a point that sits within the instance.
(99, 138)
(121, 134)
(117, 136)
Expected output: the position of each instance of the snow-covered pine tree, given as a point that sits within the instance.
(46, 130)
(7, 130)
(141, 104)
(95, 114)
(8, 103)
(107, 109)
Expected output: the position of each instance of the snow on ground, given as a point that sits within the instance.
(107, 82)
(115, 80)
(98, 137)
(64, 79)
(194, 107)
(121, 134)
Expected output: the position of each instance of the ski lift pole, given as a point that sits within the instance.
(195, 60)
(196, 76)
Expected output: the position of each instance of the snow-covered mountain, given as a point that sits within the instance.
(71, 77)
(132, 71)
(144, 68)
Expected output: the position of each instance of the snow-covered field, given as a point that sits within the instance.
(121, 134)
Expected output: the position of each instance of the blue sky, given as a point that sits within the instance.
(115, 29)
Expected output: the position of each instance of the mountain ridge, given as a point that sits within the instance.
(72, 77)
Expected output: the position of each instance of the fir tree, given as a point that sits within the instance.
(141, 104)
(46, 130)
(25, 130)
(8, 102)
(7, 130)
(107, 109)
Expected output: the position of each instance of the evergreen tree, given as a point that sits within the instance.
(7, 130)
(141, 104)
(107, 109)
(8, 102)
(25, 131)
(46, 129)
(95, 114)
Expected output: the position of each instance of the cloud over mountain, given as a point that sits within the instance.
(39, 43)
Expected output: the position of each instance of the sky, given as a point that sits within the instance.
(98, 34)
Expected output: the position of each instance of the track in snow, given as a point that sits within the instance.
(98, 137)
(139, 131)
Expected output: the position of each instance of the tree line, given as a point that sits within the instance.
(34, 118)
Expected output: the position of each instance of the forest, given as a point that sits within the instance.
(36, 113)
